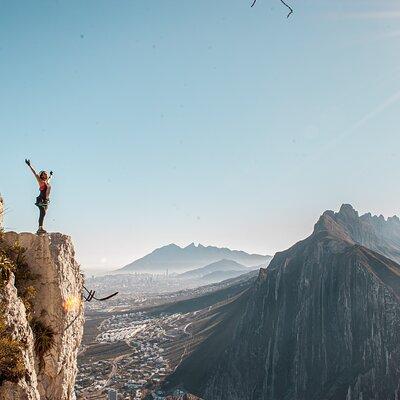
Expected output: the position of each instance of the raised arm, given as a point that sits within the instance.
(28, 163)
(49, 186)
(48, 192)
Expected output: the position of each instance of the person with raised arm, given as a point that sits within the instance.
(43, 200)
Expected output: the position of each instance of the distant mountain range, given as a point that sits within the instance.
(321, 322)
(217, 266)
(219, 276)
(180, 259)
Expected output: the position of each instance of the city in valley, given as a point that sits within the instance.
(134, 341)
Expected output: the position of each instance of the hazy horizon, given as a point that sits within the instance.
(101, 269)
(214, 123)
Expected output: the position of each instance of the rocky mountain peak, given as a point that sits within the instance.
(374, 232)
(182, 259)
(347, 211)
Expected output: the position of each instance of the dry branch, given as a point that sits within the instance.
(283, 2)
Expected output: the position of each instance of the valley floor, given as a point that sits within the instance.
(134, 352)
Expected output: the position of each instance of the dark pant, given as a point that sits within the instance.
(42, 209)
(42, 213)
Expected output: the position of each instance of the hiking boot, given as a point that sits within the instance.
(41, 231)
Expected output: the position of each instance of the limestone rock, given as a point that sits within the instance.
(58, 304)
(15, 318)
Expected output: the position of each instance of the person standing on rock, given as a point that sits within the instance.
(43, 200)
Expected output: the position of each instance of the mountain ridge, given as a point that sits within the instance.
(181, 259)
(221, 265)
(219, 276)
(371, 231)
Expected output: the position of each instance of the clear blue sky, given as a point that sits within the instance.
(205, 121)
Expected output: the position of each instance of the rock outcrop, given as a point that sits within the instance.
(321, 322)
(57, 305)
(13, 312)
(376, 233)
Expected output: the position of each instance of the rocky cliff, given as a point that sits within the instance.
(42, 314)
(371, 231)
(322, 322)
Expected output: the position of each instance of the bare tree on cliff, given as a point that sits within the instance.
(283, 2)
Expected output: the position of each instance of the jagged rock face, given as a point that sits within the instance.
(373, 232)
(58, 304)
(15, 318)
(322, 322)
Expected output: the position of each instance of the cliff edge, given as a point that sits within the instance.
(41, 316)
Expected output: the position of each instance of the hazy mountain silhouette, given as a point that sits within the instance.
(321, 322)
(218, 266)
(178, 259)
(218, 276)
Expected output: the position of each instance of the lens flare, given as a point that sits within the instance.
(72, 303)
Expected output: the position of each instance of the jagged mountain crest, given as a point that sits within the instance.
(181, 259)
(374, 232)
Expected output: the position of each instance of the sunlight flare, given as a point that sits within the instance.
(72, 303)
